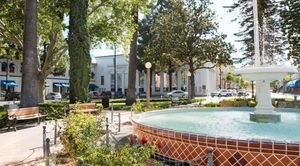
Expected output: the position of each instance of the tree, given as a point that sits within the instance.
(130, 97)
(192, 38)
(148, 49)
(271, 40)
(29, 93)
(79, 51)
(290, 16)
(50, 27)
(136, 5)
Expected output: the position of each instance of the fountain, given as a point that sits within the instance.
(263, 74)
(189, 134)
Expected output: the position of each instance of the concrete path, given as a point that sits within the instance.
(25, 146)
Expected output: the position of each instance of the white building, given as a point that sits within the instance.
(103, 78)
(205, 79)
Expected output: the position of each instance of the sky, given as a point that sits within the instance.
(226, 26)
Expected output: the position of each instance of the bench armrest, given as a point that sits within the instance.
(12, 117)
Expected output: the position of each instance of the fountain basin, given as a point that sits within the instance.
(261, 73)
(186, 134)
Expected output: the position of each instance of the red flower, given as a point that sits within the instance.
(132, 140)
(158, 144)
(144, 140)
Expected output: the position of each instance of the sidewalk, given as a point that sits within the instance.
(26, 144)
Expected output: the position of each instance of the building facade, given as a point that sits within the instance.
(102, 78)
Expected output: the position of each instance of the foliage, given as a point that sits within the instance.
(81, 137)
(230, 77)
(212, 104)
(269, 28)
(80, 134)
(185, 34)
(127, 155)
(238, 102)
(290, 16)
(54, 110)
(3, 117)
(139, 107)
(79, 51)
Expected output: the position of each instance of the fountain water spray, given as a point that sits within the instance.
(263, 74)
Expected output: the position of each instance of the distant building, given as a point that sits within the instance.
(102, 78)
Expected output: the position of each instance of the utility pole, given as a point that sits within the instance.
(115, 70)
(6, 79)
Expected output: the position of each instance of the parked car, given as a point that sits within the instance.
(141, 94)
(242, 92)
(215, 93)
(177, 93)
(66, 96)
(108, 93)
(119, 94)
(233, 92)
(13, 96)
(225, 92)
(53, 96)
(94, 95)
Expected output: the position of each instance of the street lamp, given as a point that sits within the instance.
(189, 85)
(148, 66)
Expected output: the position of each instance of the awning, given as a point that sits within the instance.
(56, 84)
(293, 83)
(11, 65)
(8, 83)
(93, 86)
(3, 64)
(65, 85)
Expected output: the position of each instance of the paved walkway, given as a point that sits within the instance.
(26, 145)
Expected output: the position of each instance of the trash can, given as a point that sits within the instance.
(105, 101)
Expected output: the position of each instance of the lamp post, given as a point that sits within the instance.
(115, 70)
(148, 66)
(189, 85)
(220, 86)
(6, 79)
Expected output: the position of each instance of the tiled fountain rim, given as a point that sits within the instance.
(265, 141)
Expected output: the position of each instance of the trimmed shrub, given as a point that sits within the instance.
(55, 110)
(81, 133)
(212, 104)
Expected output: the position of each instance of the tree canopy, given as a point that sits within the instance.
(290, 21)
(271, 40)
(184, 34)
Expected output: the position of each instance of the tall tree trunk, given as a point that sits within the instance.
(192, 84)
(41, 90)
(170, 80)
(131, 98)
(79, 51)
(29, 90)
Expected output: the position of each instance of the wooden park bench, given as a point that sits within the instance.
(84, 107)
(17, 114)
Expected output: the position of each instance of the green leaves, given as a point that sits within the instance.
(290, 20)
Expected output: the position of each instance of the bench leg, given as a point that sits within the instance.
(38, 120)
(12, 123)
(8, 126)
(15, 123)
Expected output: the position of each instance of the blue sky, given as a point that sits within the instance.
(223, 17)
